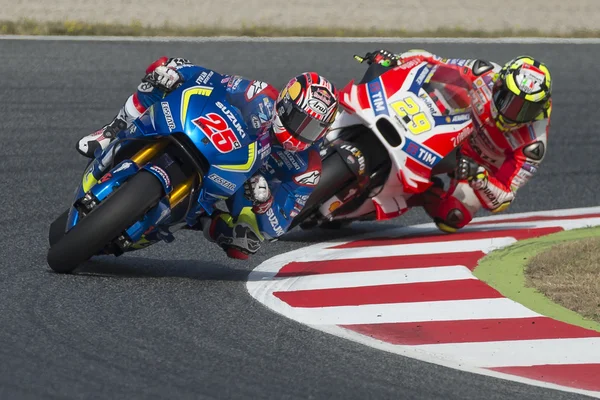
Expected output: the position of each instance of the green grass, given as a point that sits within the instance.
(504, 270)
(79, 28)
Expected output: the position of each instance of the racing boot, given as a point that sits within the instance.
(238, 237)
(88, 144)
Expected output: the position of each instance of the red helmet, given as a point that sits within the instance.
(304, 111)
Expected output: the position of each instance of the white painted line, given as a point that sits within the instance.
(308, 39)
(260, 286)
(419, 354)
(519, 353)
(405, 312)
(459, 246)
(546, 213)
(372, 278)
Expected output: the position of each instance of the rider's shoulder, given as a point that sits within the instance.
(481, 66)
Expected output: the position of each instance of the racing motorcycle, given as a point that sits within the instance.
(172, 166)
(397, 130)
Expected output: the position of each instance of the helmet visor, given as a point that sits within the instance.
(299, 124)
(515, 108)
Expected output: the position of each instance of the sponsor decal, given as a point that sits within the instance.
(274, 222)
(462, 135)
(290, 159)
(179, 62)
(234, 82)
(229, 114)
(377, 97)
(409, 64)
(422, 75)
(359, 156)
(255, 88)
(457, 61)
(310, 178)
(429, 103)
(162, 173)
(535, 151)
(204, 77)
(222, 182)
(421, 154)
(123, 167)
(264, 151)
(529, 167)
(324, 96)
(168, 116)
(317, 106)
(530, 79)
(334, 206)
(301, 199)
(461, 117)
(255, 121)
(491, 197)
(145, 87)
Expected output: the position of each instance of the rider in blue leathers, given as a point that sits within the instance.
(290, 125)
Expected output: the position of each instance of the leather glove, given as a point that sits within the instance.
(164, 78)
(256, 189)
(469, 170)
(382, 57)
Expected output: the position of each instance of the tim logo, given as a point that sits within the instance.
(378, 100)
(421, 154)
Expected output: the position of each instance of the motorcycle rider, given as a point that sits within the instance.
(511, 107)
(293, 122)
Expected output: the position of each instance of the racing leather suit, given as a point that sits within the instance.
(291, 176)
(510, 157)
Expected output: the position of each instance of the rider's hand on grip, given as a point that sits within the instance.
(382, 57)
(164, 78)
(469, 170)
(256, 189)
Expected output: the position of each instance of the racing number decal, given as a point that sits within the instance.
(418, 120)
(218, 131)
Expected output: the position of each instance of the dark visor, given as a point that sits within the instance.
(299, 124)
(515, 108)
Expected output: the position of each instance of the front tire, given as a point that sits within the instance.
(335, 175)
(126, 205)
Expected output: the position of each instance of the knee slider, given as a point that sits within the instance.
(452, 215)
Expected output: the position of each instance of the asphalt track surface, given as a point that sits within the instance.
(175, 321)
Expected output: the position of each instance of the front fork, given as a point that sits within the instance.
(142, 157)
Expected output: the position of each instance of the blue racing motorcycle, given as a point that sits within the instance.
(173, 165)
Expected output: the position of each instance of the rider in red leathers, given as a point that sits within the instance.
(511, 108)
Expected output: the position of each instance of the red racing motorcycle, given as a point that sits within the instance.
(396, 130)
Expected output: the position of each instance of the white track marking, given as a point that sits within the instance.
(519, 353)
(419, 354)
(261, 280)
(309, 39)
(485, 245)
(403, 312)
(373, 278)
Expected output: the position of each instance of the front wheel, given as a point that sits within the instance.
(126, 205)
(335, 176)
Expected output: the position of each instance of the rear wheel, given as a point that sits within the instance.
(126, 205)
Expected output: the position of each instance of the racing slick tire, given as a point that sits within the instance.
(121, 209)
(335, 175)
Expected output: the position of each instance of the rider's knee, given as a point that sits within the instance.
(451, 215)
